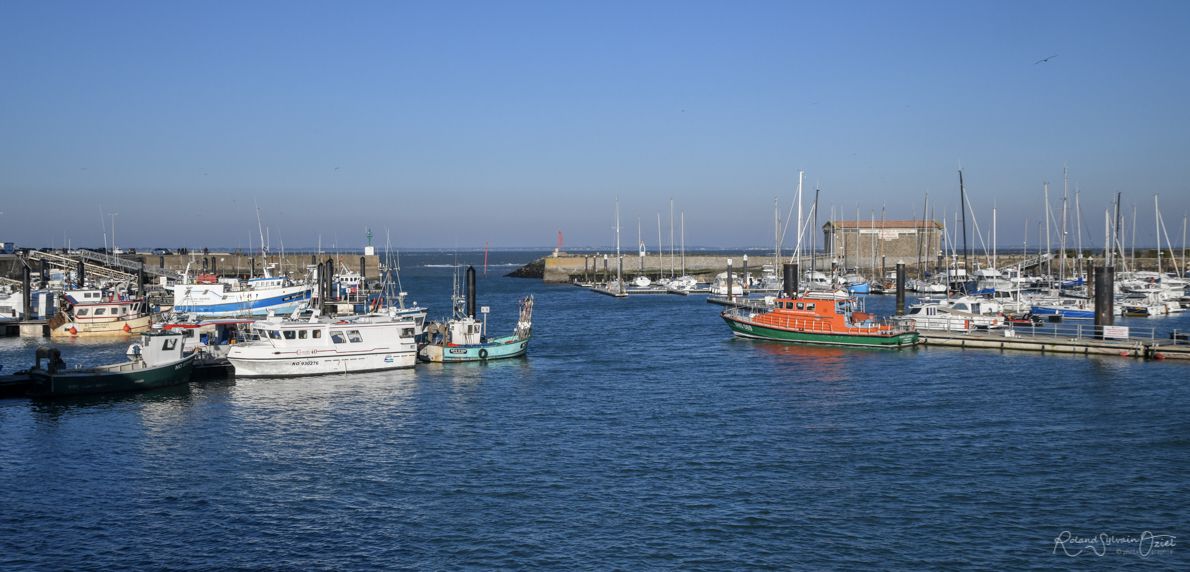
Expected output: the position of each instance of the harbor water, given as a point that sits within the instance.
(638, 434)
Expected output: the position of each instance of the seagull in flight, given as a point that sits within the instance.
(1044, 60)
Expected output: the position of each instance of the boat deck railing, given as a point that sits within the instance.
(823, 326)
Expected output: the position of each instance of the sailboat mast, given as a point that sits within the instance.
(921, 266)
(1133, 236)
(660, 249)
(993, 236)
(1062, 240)
(801, 175)
(683, 235)
(619, 261)
(1078, 228)
(963, 208)
(1184, 217)
(671, 238)
(1157, 229)
(881, 243)
(776, 233)
(813, 245)
(1049, 271)
(1115, 237)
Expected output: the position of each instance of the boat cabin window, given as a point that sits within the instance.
(82, 312)
(100, 311)
(354, 336)
(290, 334)
(302, 334)
(810, 307)
(275, 334)
(169, 344)
(338, 337)
(407, 332)
(316, 334)
(801, 306)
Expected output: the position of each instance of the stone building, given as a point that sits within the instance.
(868, 244)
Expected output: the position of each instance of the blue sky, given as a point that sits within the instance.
(454, 124)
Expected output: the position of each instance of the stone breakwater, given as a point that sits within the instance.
(567, 267)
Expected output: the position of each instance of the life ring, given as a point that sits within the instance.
(483, 353)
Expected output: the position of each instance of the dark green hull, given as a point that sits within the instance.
(752, 330)
(93, 381)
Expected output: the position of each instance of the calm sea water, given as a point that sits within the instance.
(637, 435)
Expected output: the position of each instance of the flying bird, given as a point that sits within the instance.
(1044, 60)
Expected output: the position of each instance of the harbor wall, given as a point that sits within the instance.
(568, 267)
(224, 263)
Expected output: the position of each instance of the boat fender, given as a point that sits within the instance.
(73, 331)
(483, 353)
(127, 329)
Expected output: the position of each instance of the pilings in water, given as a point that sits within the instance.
(900, 288)
(1104, 302)
(26, 298)
(620, 273)
(730, 296)
(747, 277)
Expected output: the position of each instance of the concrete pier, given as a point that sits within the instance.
(1059, 343)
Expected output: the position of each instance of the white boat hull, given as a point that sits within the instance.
(323, 364)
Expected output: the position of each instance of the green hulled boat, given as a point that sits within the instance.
(157, 361)
(822, 319)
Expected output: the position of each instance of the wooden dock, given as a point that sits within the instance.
(1058, 342)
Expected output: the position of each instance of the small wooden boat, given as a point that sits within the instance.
(816, 319)
(157, 361)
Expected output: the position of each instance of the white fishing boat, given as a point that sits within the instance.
(286, 347)
(212, 297)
